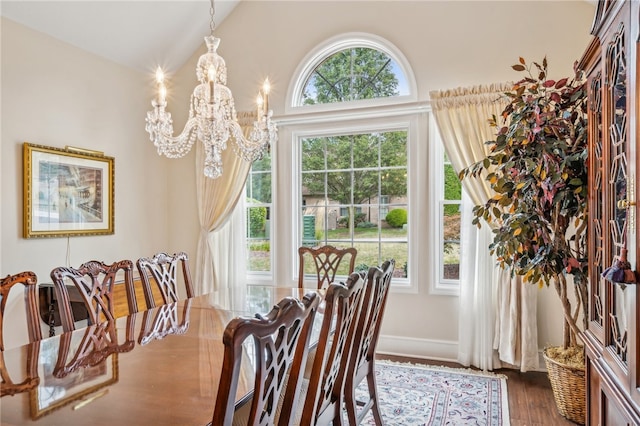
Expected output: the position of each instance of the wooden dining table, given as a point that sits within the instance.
(157, 367)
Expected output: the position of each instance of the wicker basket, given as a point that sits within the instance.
(568, 385)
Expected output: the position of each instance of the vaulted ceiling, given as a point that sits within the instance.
(137, 34)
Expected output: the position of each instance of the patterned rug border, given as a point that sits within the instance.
(504, 400)
(460, 370)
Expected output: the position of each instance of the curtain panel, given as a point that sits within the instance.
(220, 259)
(497, 313)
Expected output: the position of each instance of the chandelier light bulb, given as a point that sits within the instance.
(159, 76)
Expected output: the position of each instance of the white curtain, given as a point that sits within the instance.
(229, 259)
(221, 260)
(497, 315)
(220, 236)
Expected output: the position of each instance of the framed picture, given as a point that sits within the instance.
(67, 192)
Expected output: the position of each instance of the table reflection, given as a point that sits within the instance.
(159, 323)
(85, 362)
(160, 366)
(31, 378)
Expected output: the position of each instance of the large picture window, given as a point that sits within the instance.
(347, 184)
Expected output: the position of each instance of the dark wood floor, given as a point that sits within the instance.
(530, 397)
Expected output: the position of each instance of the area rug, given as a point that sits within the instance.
(415, 395)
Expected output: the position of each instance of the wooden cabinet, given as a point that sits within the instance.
(611, 340)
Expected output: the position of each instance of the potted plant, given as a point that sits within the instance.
(537, 167)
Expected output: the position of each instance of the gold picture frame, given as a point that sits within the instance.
(67, 192)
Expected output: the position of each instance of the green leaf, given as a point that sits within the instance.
(576, 182)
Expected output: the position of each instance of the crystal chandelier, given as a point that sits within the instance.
(212, 116)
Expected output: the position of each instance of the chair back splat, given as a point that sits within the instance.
(95, 281)
(326, 260)
(324, 391)
(363, 353)
(163, 270)
(29, 281)
(279, 338)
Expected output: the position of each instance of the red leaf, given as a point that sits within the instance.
(574, 262)
(518, 67)
(549, 83)
(561, 83)
(555, 97)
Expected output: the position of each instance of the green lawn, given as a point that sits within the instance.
(367, 251)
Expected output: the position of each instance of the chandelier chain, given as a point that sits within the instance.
(212, 23)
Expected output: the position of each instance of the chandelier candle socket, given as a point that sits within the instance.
(212, 116)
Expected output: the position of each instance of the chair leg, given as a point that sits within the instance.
(373, 394)
(350, 403)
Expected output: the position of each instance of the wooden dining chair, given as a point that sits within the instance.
(95, 281)
(322, 392)
(363, 352)
(277, 337)
(326, 261)
(162, 269)
(29, 281)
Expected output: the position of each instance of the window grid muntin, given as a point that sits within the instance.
(352, 240)
(390, 63)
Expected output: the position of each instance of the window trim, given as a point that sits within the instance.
(438, 285)
(333, 45)
(409, 123)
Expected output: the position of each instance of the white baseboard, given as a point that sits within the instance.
(439, 350)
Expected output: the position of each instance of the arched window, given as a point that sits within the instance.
(351, 167)
(353, 74)
(351, 178)
(352, 67)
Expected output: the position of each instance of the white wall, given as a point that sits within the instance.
(56, 95)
